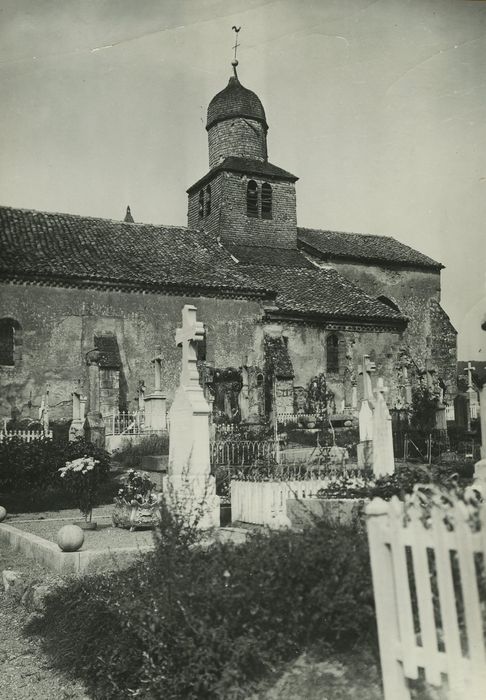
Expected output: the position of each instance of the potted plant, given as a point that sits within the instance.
(136, 504)
(81, 477)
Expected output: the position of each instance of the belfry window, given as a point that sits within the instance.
(201, 204)
(9, 329)
(252, 198)
(266, 201)
(208, 200)
(332, 353)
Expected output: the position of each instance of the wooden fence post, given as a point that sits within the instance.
(386, 604)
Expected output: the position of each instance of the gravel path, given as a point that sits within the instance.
(25, 672)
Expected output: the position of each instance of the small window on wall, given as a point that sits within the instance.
(266, 201)
(252, 198)
(332, 353)
(9, 331)
(208, 200)
(201, 204)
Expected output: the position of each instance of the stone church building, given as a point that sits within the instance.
(286, 309)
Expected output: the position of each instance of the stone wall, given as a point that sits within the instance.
(228, 217)
(58, 328)
(416, 293)
(307, 349)
(245, 138)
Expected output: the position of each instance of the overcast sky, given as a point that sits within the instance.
(379, 108)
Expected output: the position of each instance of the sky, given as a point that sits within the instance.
(378, 106)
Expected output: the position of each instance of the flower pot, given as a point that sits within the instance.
(132, 516)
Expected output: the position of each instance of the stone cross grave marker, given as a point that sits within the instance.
(383, 455)
(155, 403)
(469, 370)
(366, 413)
(189, 482)
(191, 333)
(76, 429)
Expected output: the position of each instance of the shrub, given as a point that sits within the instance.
(192, 623)
(29, 470)
(401, 482)
(130, 456)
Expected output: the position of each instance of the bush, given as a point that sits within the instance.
(401, 482)
(189, 623)
(130, 456)
(29, 470)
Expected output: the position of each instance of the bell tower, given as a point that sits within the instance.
(243, 199)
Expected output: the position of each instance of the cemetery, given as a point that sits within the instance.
(211, 521)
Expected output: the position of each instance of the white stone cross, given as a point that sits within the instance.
(469, 370)
(191, 333)
(366, 368)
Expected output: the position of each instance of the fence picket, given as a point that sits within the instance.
(472, 608)
(405, 616)
(424, 600)
(444, 541)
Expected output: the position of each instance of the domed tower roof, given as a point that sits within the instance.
(235, 101)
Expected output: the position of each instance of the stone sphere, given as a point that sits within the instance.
(70, 538)
(3, 513)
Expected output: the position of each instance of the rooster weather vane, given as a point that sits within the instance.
(234, 62)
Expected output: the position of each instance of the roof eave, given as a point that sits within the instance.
(235, 169)
(398, 324)
(327, 256)
(170, 288)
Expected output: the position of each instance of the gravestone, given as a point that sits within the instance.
(365, 417)
(155, 403)
(94, 426)
(189, 485)
(383, 456)
(76, 429)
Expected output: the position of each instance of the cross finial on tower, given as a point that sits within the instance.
(234, 62)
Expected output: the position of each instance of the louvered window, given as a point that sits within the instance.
(252, 199)
(7, 342)
(266, 201)
(332, 353)
(208, 200)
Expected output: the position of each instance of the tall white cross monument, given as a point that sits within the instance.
(365, 417)
(383, 457)
(189, 484)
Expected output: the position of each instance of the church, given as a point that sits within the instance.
(289, 313)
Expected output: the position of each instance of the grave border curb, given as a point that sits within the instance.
(50, 555)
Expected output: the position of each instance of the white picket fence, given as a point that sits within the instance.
(415, 635)
(265, 502)
(25, 435)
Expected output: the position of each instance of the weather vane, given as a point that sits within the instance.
(234, 62)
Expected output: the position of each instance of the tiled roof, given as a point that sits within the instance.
(107, 345)
(362, 247)
(247, 166)
(265, 255)
(322, 292)
(64, 248)
(235, 101)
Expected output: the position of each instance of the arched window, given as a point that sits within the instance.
(332, 353)
(252, 198)
(208, 200)
(266, 201)
(201, 204)
(9, 341)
